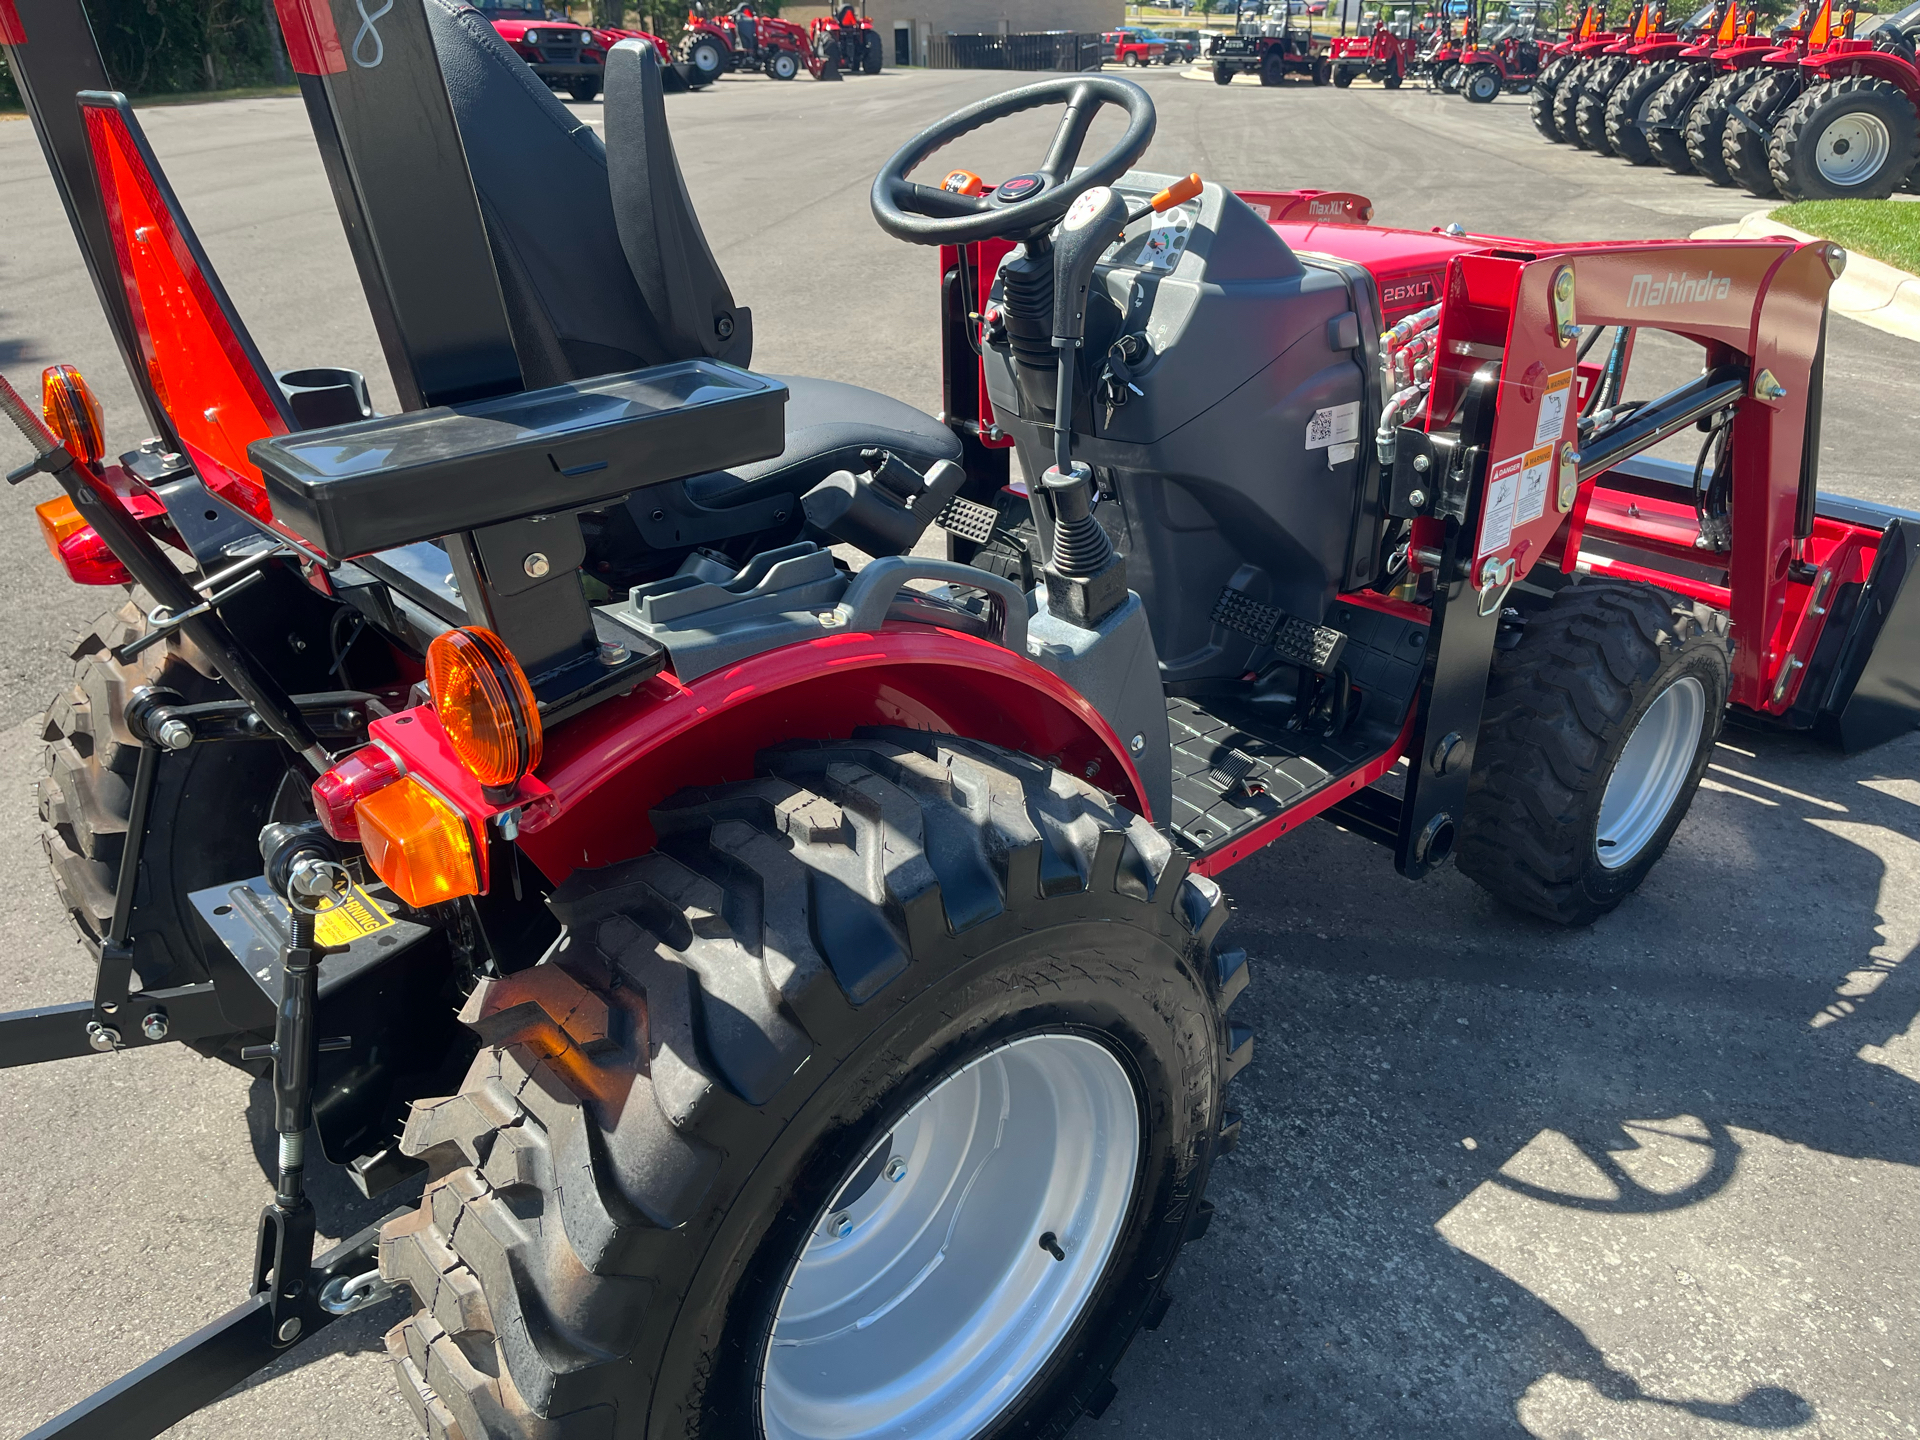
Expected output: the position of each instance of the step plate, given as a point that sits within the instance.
(1235, 768)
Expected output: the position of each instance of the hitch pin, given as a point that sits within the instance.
(162, 622)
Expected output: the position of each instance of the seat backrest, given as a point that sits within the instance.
(577, 304)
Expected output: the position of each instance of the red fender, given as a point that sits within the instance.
(603, 771)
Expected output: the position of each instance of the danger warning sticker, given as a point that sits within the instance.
(1336, 425)
(1553, 408)
(356, 916)
(1531, 503)
(1496, 521)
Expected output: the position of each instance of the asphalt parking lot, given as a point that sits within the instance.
(1653, 1178)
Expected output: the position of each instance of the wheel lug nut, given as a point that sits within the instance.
(896, 1169)
(840, 1226)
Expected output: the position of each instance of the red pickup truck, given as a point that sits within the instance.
(1132, 47)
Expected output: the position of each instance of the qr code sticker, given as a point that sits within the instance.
(1335, 425)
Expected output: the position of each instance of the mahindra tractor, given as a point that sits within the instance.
(1623, 73)
(1385, 53)
(1834, 117)
(1272, 48)
(1556, 95)
(847, 40)
(792, 962)
(1503, 57)
(743, 41)
(1647, 117)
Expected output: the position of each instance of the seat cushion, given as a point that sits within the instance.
(828, 425)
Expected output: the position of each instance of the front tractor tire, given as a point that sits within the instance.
(209, 801)
(1483, 85)
(903, 998)
(1598, 726)
(1851, 139)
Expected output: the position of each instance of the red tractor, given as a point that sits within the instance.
(1556, 96)
(1502, 59)
(825, 946)
(847, 40)
(1662, 123)
(1837, 118)
(743, 41)
(1386, 53)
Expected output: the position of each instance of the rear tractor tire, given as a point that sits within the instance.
(1852, 139)
(1566, 103)
(872, 61)
(209, 801)
(1628, 106)
(1598, 726)
(1744, 142)
(1540, 101)
(1707, 123)
(1664, 127)
(695, 1151)
(1590, 112)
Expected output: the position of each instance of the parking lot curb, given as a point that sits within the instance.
(1869, 291)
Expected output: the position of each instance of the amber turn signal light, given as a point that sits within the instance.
(417, 844)
(1177, 193)
(485, 706)
(72, 413)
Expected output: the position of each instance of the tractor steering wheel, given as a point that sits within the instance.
(1021, 205)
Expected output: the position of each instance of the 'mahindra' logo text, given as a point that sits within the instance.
(1644, 292)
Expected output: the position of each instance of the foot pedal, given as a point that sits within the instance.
(1230, 773)
(1295, 641)
(968, 519)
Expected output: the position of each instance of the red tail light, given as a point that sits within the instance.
(336, 793)
(200, 363)
(78, 546)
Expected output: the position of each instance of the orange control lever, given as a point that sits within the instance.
(1177, 193)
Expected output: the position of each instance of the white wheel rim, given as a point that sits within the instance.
(1852, 149)
(1650, 773)
(923, 1304)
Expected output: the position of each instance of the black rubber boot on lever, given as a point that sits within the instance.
(1085, 579)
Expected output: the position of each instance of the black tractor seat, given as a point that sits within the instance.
(828, 425)
(604, 267)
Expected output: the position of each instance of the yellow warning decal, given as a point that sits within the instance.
(359, 914)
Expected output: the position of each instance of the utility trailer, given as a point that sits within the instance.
(822, 944)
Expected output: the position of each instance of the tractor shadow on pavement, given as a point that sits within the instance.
(1501, 1178)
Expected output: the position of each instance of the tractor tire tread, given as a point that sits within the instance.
(1629, 104)
(1550, 704)
(1744, 153)
(1707, 121)
(692, 981)
(1666, 118)
(85, 793)
(1790, 136)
